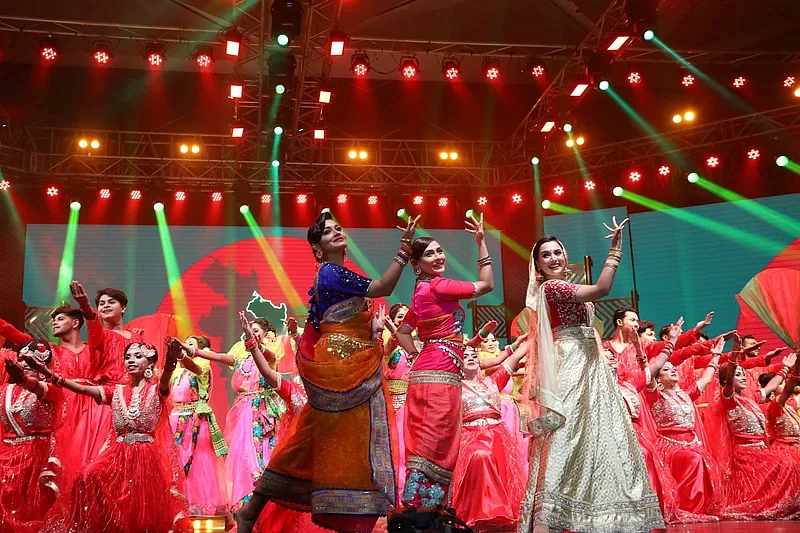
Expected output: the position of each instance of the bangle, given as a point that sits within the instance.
(57, 380)
(483, 261)
(250, 344)
(192, 351)
(482, 334)
(182, 355)
(786, 369)
(405, 241)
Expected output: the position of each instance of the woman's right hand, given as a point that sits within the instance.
(616, 232)
(247, 329)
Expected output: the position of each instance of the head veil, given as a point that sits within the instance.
(541, 409)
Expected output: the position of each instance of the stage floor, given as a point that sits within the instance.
(737, 527)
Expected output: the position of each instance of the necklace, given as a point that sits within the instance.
(133, 410)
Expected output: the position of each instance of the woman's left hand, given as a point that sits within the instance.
(616, 232)
(378, 321)
(409, 230)
(247, 329)
(475, 227)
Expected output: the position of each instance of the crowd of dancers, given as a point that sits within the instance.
(362, 412)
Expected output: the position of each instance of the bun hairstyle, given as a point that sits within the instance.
(419, 246)
(39, 349)
(538, 246)
(314, 235)
(202, 341)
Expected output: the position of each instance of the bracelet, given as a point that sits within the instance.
(786, 369)
(782, 374)
(483, 261)
(57, 380)
(713, 365)
(192, 351)
(182, 355)
(250, 344)
(405, 241)
(611, 265)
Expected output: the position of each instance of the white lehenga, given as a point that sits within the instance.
(587, 474)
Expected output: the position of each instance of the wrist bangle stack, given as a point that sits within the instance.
(406, 242)
(250, 344)
(614, 258)
(783, 373)
(57, 380)
(403, 255)
(484, 261)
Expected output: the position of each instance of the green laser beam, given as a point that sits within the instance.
(173, 272)
(561, 208)
(66, 270)
(788, 164)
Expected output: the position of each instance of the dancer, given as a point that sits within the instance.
(489, 457)
(30, 410)
(132, 485)
(783, 422)
(433, 402)
(198, 438)
(336, 459)
(586, 470)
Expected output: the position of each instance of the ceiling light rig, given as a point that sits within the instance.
(409, 67)
(451, 68)
(491, 69)
(359, 64)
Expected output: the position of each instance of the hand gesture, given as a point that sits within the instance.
(138, 331)
(247, 329)
(705, 322)
(35, 364)
(174, 349)
(16, 374)
(475, 227)
(790, 360)
(78, 294)
(489, 327)
(633, 336)
(387, 321)
(410, 229)
(751, 349)
(728, 335)
(379, 320)
(291, 324)
(773, 353)
(616, 232)
(676, 329)
(717, 348)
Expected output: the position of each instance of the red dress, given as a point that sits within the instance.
(132, 485)
(680, 441)
(783, 424)
(30, 471)
(487, 483)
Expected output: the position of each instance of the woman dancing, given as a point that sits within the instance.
(29, 411)
(132, 485)
(336, 458)
(586, 468)
(433, 402)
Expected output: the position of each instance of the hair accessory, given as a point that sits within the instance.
(41, 354)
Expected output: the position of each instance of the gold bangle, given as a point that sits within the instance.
(408, 242)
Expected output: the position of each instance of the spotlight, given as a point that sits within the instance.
(277, 130)
(237, 130)
(451, 68)
(203, 56)
(266, 198)
(195, 149)
(453, 156)
(677, 119)
(482, 201)
(319, 132)
(469, 213)
(287, 18)
(443, 156)
(302, 198)
(184, 148)
(280, 88)
(570, 143)
(491, 69)
(782, 161)
(648, 35)
(634, 78)
(418, 199)
(233, 42)
(603, 85)
(75, 206)
(739, 82)
(180, 196)
(409, 67)
(693, 177)
(155, 54)
(341, 199)
(275, 163)
(83, 143)
(558, 190)
(216, 196)
(136, 194)
(95, 144)
(687, 80)
(789, 81)
(105, 194)
(535, 160)
(537, 71)
(443, 201)
(753, 154)
(325, 96)
(567, 127)
(589, 185)
(52, 191)
(579, 89)
(101, 53)
(48, 48)
(663, 170)
(797, 92)
(618, 42)
(548, 126)
(712, 161)
(617, 191)
(244, 209)
(579, 141)
(372, 200)
(516, 198)
(401, 212)
(545, 204)
(282, 40)
(352, 154)
(362, 155)
(359, 64)
(158, 207)
(5, 185)
(689, 116)
(337, 40)
(280, 70)
(236, 90)
(635, 176)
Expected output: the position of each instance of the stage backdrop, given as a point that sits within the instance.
(686, 262)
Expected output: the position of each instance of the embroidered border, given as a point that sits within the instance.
(285, 488)
(433, 471)
(583, 332)
(9, 413)
(380, 448)
(333, 401)
(434, 376)
(350, 502)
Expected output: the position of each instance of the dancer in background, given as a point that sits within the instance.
(586, 467)
(201, 445)
(487, 486)
(783, 422)
(132, 486)
(30, 410)
(336, 459)
(433, 403)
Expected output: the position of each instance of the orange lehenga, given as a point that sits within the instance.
(336, 457)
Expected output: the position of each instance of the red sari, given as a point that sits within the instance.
(783, 424)
(30, 470)
(433, 400)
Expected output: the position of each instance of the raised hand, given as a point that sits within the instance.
(790, 360)
(291, 324)
(633, 336)
(475, 227)
(247, 329)
(717, 348)
(705, 322)
(773, 353)
(487, 328)
(174, 349)
(754, 347)
(379, 320)
(34, 364)
(676, 329)
(615, 233)
(78, 294)
(728, 335)
(16, 374)
(389, 324)
(410, 229)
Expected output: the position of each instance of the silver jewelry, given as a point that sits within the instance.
(148, 373)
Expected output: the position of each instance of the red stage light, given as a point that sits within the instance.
(451, 68)
(491, 69)
(372, 200)
(663, 170)
(409, 66)
(482, 200)
(204, 58)
(788, 82)
(52, 191)
(443, 201)
(5, 185)
(712, 161)
(739, 82)
(687, 80)
(216, 196)
(537, 71)
(558, 190)
(154, 54)
(337, 40)
(635, 176)
(180, 196)
(302, 198)
(105, 193)
(634, 78)
(341, 199)
(589, 185)
(266, 198)
(136, 194)
(417, 200)
(753, 154)
(359, 64)
(101, 53)
(48, 48)
(516, 198)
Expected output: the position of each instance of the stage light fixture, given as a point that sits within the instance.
(753, 154)
(180, 196)
(184, 148)
(570, 143)
(443, 201)
(203, 56)
(320, 132)
(372, 200)
(712, 161)
(105, 194)
(677, 119)
(797, 93)
(155, 54)
(693, 177)
(359, 64)
(536, 67)
(244, 209)
(287, 18)
(136, 194)
(302, 198)
(482, 200)
(618, 42)
(236, 90)
(537, 71)
(789, 81)
(535, 160)
(546, 204)
(635, 176)
(401, 213)
(567, 127)
(337, 40)
(739, 82)
(453, 156)
(451, 68)
(362, 155)
(48, 48)
(158, 207)
(516, 198)
(491, 69)
(603, 85)
(5, 185)
(409, 67)
(237, 130)
(275, 163)
(341, 199)
(443, 156)
(687, 80)
(266, 198)
(280, 69)
(558, 190)
(75, 206)
(277, 130)
(782, 161)
(280, 88)
(325, 96)
(352, 154)
(418, 199)
(101, 53)
(589, 185)
(617, 191)
(52, 191)
(688, 116)
(579, 89)
(664, 170)
(233, 42)
(634, 78)
(579, 141)
(195, 149)
(83, 143)
(216, 196)
(598, 69)
(95, 144)
(548, 126)
(648, 35)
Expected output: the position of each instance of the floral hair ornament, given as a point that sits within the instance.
(148, 350)
(41, 354)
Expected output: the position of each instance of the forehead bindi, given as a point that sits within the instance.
(549, 248)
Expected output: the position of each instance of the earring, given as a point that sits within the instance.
(148, 373)
(318, 254)
(417, 270)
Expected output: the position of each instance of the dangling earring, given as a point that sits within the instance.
(148, 373)
(318, 254)
(417, 270)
